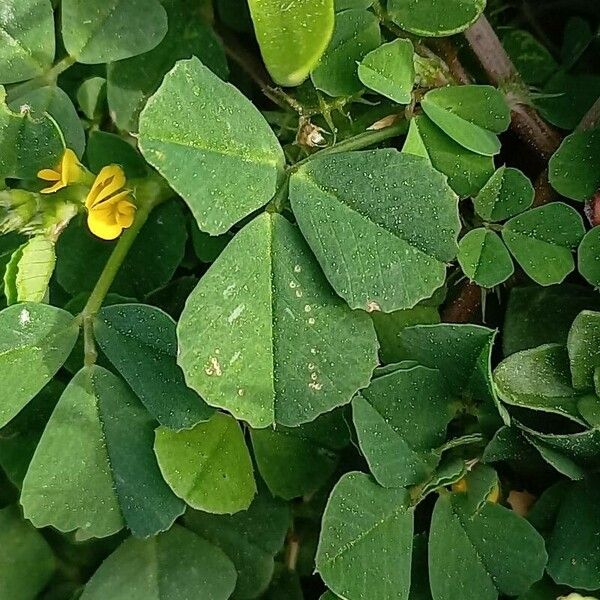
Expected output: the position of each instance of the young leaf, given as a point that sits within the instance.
(382, 224)
(390, 71)
(476, 554)
(355, 34)
(542, 241)
(278, 345)
(538, 379)
(400, 420)
(211, 144)
(250, 538)
(94, 468)
(583, 345)
(175, 564)
(35, 341)
(435, 17)
(297, 461)
(366, 539)
(292, 37)
(467, 171)
(574, 169)
(27, 39)
(470, 114)
(588, 257)
(574, 547)
(99, 31)
(131, 82)
(507, 193)
(217, 482)
(140, 341)
(26, 559)
(484, 258)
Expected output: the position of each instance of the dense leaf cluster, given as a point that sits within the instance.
(347, 343)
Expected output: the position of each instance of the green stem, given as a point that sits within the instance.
(48, 78)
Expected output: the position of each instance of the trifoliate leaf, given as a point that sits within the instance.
(297, 461)
(382, 224)
(471, 115)
(355, 34)
(35, 341)
(292, 37)
(250, 538)
(588, 257)
(401, 421)
(211, 144)
(131, 82)
(574, 169)
(140, 341)
(99, 31)
(507, 193)
(366, 529)
(435, 18)
(278, 345)
(94, 469)
(208, 466)
(542, 241)
(467, 171)
(175, 564)
(390, 71)
(484, 258)
(26, 559)
(583, 345)
(475, 554)
(26, 39)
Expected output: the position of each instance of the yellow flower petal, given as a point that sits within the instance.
(69, 170)
(109, 181)
(53, 188)
(49, 175)
(125, 214)
(102, 225)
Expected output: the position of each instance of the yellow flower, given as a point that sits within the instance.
(110, 207)
(69, 170)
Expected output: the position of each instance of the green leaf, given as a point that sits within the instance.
(390, 71)
(27, 144)
(382, 224)
(467, 171)
(484, 258)
(26, 39)
(574, 169)
(56, 103)
(538, 379)
(99, 31)
(484, 554)
(400, 421)
(297, 461)
(250, 538)
(277, 345)
(574, 546)
(29, 271)
(91, 97)
(94, 468)
(151, 262)
(356, 33)
(26, 560)
(542, 241)
(175, 564)
(140, 341)
(211, 144)
(35, 341)
(583, 345)
(208, 466)
(470, 114)
(436, 18)
(105, 149)
(533, 61)
(536, 316)
(588, 257)
(131, 82)
(507, 193)
(292, 37)
(366, 539)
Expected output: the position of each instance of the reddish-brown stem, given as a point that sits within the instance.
(465, 305)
